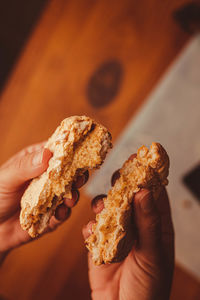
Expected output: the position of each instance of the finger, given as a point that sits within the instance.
(115, 176)
(23, 152)
(62, 212)
(32, 148)
(81, 180)
(87, 229)
(97, 203)
(100, 276)
(25, 167)
(148, 224)
(72, 202)
(163, 207)
(53, 224)
(58, 219)
(61, 215)
(132, 156)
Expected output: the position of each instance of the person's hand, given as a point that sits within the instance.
(15, 176)
(146, 273)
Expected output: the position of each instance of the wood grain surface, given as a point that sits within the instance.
(58, 74)
(17, 19)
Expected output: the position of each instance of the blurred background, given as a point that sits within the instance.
(126, 64)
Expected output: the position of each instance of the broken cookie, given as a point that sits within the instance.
(112, 234)
(78, 144)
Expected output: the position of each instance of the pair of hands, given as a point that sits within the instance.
(147, 271)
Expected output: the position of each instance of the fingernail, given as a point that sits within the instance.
(132, 156)
(115, 176)
(62, 212)
(37, 158)
(86, 174)
(146, 202)
(75, 195)
(99, 204)
(95, 200)
(79, 182)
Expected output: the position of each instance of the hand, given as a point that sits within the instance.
(15, 176)
(146, 273)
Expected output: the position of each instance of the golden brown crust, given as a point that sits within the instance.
(78, 144)
(112, 238)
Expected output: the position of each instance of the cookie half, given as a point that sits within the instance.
(112, 236)
(78, 144)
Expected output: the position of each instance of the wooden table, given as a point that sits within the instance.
(78, 50)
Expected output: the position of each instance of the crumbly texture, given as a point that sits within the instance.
(112, 236)
(78, 144)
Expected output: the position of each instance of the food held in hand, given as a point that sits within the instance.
(112, 237)
(78, 144)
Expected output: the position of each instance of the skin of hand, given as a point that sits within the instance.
(147, 272)
(15, 176)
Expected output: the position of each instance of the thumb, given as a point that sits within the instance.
(148, 224)
(25, 167)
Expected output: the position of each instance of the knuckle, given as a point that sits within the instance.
(19, 163)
